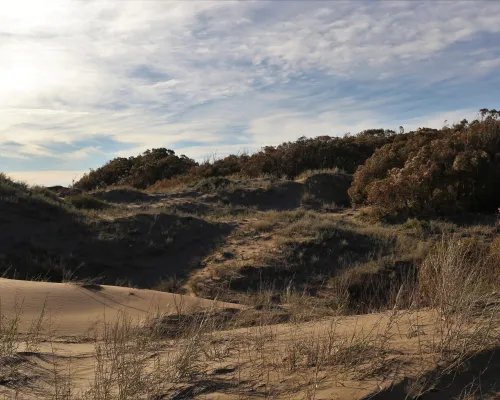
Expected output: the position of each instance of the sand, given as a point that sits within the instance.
(75, 310)
(261, 367)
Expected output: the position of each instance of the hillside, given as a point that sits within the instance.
(118, 350)
(366, 266)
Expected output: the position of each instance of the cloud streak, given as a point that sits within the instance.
(224, 76)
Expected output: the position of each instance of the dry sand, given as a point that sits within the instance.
(74, 310)
(387, 350)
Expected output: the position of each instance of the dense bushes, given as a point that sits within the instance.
(141, 171)
(286, 160)
(292, 158)
(435, 171)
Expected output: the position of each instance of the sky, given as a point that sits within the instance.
(82, 82)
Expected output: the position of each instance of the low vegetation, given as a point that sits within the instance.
(396, 297)
(86, 202)
(248, 353)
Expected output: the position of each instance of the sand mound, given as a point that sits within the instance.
(124, 196)
(330, 188)
(75, 310)
(284, 196)
(63, 191)
(144, 248)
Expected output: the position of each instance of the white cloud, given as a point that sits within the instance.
(160, 73)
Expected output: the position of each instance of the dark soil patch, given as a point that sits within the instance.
(285, 196)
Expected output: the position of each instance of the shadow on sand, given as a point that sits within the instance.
(479, 378)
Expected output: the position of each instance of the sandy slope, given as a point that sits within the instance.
(74, 310)
(384, 353)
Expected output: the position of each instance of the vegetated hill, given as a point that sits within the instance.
(435, 172)
(288, 250)
(43, 236)
(286, 160)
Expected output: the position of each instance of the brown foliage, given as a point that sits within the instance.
(286, 160)
(435, 171)
(292, 158)
(140, 172)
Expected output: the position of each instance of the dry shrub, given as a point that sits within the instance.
(435, 171)
(455, 279)
(139, 172)
(494, 261)
(166, 185)
(164, 170)
(454, 274)
(14, 344)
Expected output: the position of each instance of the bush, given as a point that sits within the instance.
(324, 152)
(140, 172)
(291, 159)
(158, 166)
(435, 171)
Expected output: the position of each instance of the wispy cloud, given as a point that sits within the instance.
(221, 76)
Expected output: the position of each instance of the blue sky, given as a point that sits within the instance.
(82, 82)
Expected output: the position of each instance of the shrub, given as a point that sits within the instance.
(140, 172)
(435, 171)
(455, 272)
(158, 166)
(292, 158)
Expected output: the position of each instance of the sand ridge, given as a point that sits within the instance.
(74, 309)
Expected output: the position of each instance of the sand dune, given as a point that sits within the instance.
(74, 310)
(347, 357)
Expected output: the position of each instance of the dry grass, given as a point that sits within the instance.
(174, 184)
(306, 174)
(165, 357)
(86, 202)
